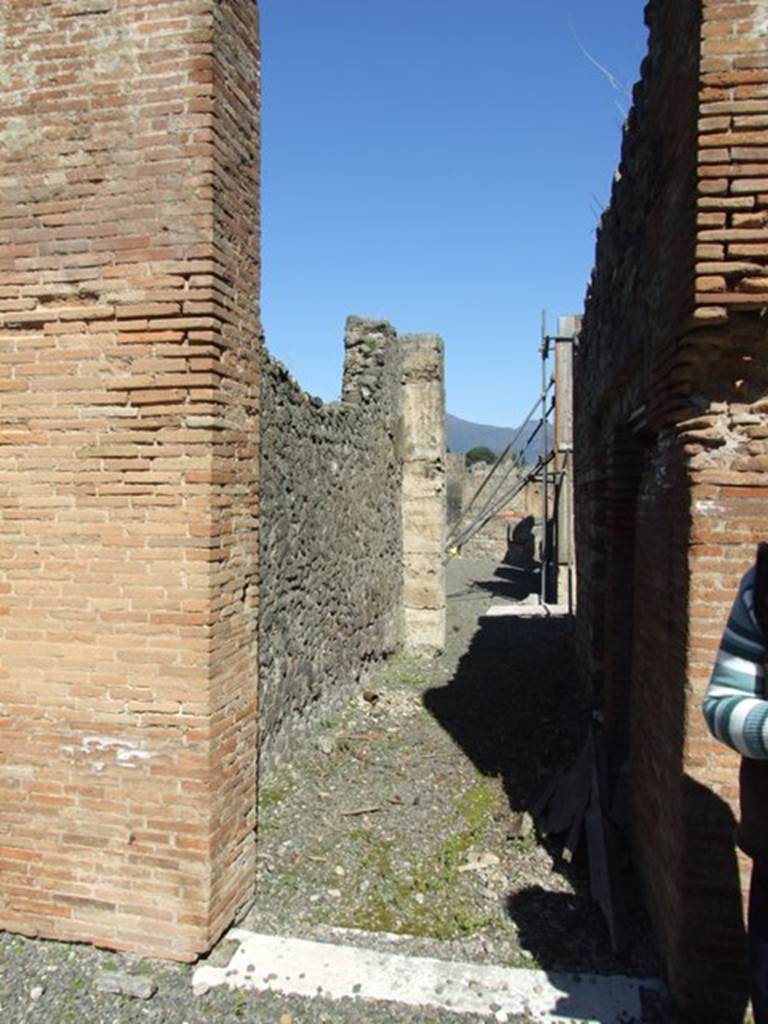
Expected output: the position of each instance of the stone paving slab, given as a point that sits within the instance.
(526, 611)
(289, 966)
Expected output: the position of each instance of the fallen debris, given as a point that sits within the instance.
(325, 744)
(574, 802)
(121, 983)
(479, 862)
(521, 825)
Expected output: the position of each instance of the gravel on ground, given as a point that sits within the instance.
(407, 812)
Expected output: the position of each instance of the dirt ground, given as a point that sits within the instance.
(406, 813)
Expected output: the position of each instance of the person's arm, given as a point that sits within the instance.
(735, 705)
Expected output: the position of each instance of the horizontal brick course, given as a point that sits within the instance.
(672, 354)
(129, 553)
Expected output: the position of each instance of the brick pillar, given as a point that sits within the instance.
(129, 322)
(423, 501)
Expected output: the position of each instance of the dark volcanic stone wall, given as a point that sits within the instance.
(331, 537)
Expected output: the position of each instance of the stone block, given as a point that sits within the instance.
(425, 629)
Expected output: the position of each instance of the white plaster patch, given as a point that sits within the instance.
(761, 18)
(126, 757)
(91, 744)
(707, 507)
(127, 753)
(299, 967)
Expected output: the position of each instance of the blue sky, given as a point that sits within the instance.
(442, 165)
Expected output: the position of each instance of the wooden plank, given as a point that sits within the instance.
(574, 833)
(571, 794)
(599, 878)
(543, 795)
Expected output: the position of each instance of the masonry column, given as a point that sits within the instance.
(568, 328)
(129, 322)
(423, 504)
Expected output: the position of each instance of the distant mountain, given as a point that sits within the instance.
(463, 435)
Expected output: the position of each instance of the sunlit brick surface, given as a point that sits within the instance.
(671, 407)
(129, 332)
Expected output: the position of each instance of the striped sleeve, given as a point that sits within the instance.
(735, 705)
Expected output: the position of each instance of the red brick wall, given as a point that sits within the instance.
(733, 167)
(624, 367)
(128, 425)
(623, 475)
(725, 445)
(673, 355)
(656, 681)
(235, 465)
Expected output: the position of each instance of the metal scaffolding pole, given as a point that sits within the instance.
(545, 445)
(556, 547)
(492, 507)
(457, 530)
(565, 345)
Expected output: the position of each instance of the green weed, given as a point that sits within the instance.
(240, 1000)
(405, 669)
(429, 899)
(271, 796)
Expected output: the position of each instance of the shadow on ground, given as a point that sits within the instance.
(507, 582)
(514, 705)
(517, 710)
(512, 583)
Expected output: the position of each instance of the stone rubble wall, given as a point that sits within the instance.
(352, 509)
(671, 448)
